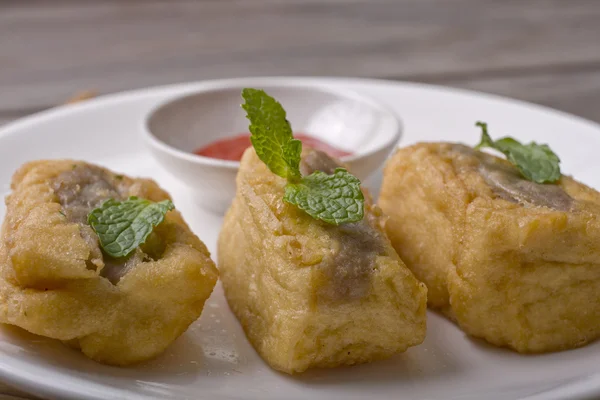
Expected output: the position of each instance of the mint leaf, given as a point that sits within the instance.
(272, 134)
(122, 226)
(336, 199)
(486, 140)
(536, 162)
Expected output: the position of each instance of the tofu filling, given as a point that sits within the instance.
(358, 244)
(506, 183)
(81, 190)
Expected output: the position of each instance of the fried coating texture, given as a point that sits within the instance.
(511, 261)
(55, 281)
(309, 294)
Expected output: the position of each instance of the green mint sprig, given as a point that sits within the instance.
(335, 199)
(536, 162)
(272, 134)
(122, 226)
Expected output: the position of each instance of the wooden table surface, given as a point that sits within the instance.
(544, 51)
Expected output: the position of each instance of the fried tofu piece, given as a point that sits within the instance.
(56, 282)
(511, 261)
(309, 294)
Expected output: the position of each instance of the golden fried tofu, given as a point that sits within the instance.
(55, 280)
(514, 262)
(309, 294)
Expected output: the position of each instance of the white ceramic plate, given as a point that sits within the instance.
(213, 360)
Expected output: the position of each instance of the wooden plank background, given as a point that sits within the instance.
(545, 51)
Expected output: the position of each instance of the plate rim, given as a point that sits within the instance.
(190, 87)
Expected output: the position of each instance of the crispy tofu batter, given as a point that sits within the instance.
(511, 261)
(56, 282)
(309, 294)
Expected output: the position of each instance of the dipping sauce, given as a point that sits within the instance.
(233, 148)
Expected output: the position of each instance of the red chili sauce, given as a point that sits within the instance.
(232, 148)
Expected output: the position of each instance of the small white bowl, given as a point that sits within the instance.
(344, 119)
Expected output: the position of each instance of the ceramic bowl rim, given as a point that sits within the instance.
(173, 151)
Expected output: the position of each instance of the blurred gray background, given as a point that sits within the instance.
(545, 51)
